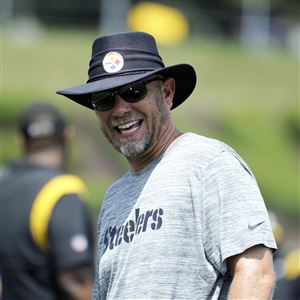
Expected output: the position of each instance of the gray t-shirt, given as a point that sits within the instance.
(165, 232)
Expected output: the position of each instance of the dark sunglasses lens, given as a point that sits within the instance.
(130, 93)
(103, 101)
(134, 92)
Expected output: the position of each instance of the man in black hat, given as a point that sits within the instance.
(188, 220)
(46, 237)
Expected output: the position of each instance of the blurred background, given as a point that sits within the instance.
(246, 55)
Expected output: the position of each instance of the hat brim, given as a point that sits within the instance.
(184, 75)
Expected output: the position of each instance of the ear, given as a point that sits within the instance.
(169, 91)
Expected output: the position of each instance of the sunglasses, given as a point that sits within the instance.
(131, 93)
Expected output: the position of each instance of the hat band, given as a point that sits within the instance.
(127, 73)
(134, 61)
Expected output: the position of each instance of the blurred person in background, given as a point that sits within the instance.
(46, 237)
(288, 286)
(188, 220)
(286, 265)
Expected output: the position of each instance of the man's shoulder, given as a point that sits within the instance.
(198, 146)
(23, 174)
(205, 152)
(119, 184)
(28, 167)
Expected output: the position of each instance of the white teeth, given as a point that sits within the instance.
(127, 125)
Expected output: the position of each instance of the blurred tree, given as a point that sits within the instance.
(6, 11)
(68, 13)
(212, 17)
(113, 16)
(218, 17)
(255, 24)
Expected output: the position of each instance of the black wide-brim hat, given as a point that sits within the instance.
(122, 58)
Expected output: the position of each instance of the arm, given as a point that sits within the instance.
(72, 248)
(76, 283)
(253, 274)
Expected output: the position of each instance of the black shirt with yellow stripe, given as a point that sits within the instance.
(45, 228)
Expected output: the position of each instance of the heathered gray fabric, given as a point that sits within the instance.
(165, 232)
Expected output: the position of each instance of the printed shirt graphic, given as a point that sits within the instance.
(165, 232)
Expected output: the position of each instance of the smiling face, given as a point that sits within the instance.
(135, 129)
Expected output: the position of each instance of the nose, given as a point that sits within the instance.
(121, 106)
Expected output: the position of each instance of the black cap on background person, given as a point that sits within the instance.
(41, 126)
(41, 120)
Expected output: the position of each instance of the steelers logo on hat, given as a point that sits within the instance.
(113, 62)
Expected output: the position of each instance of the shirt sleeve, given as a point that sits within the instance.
(70, 233)
(235, 217)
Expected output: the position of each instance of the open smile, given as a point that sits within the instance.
(129, 127)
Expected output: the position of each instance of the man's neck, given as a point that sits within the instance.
(51, 158)
(164, 141)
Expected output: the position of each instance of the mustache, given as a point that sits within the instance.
(128, 117)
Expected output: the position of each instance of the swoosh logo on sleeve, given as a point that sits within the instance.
(254, 225)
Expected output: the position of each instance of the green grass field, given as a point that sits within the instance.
(249, 100)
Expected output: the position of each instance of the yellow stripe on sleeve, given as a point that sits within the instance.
(45, 201)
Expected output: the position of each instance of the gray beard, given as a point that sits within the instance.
(132, 147)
